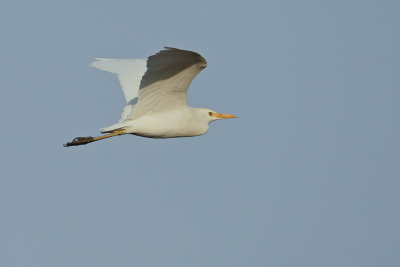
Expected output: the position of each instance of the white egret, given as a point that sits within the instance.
(156, 94)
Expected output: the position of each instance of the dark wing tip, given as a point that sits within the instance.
(199, 57)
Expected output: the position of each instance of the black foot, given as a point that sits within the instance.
(80, 141)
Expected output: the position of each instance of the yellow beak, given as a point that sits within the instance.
(223, 116)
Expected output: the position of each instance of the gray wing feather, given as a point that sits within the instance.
(168, 63)
(166, 80)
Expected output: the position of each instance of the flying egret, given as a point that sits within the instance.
(156, 94)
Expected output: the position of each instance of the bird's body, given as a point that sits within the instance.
(156, 94)
(173, 123)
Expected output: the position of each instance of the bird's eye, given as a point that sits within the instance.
(210, 113)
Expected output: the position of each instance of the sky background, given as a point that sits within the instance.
(308, 175)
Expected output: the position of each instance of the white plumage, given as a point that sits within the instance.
(155, 91)
(130, 73)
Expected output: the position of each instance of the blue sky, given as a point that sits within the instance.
(308, 175)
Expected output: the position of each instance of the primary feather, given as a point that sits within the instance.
(166, 81)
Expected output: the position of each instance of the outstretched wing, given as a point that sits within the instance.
(130, 73)
(166, 80)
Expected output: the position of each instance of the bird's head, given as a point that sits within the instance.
(212, 115)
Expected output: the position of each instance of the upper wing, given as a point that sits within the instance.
(130, 73)
(166, 80)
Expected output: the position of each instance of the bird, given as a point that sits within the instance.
(155, 90)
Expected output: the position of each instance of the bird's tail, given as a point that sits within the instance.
(115, 127)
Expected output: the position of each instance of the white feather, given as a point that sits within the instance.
(130, 72)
